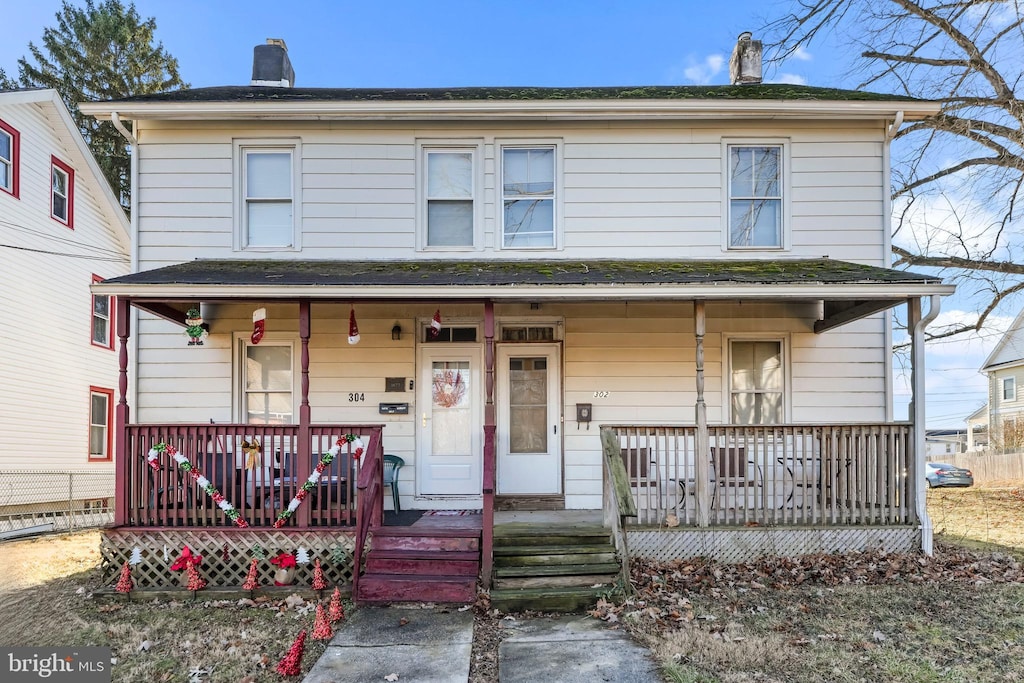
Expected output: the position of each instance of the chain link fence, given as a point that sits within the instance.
(34, 502)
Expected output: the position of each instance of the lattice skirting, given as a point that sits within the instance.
(745, 545)
(226, 554)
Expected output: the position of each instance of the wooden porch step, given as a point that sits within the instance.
(557, 569)
(442, 540)
(432, 562)
(548, 555)
(381, 588)
(551, 538)
(546, 599)
(605, 581)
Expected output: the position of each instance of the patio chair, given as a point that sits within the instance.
(393, 463)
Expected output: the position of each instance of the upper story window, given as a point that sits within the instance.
(756, 382)
(266, 216)
(1009, 388)
(102, 319)
(528, 191)
(450, 196)
(756, 181)
(62, 192)
(10, 143)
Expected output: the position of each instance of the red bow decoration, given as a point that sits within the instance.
(187, 559)
(283, 560)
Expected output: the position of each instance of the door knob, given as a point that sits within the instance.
(424, 419)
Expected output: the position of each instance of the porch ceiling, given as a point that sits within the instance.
(848, 291)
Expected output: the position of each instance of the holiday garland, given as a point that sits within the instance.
(314, 478)
(163, 448)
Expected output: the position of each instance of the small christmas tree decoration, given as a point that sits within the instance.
(353, 329)
(339, 554)
(291, 663)
(259, 552)
(321, 626)
(302, 556)
(136, 557)
(251, 582)
(195, 582)
(336, 611)
(124, 584)
(259, 324)
(318, 577)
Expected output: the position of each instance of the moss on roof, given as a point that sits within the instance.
(763, 91)
(517, 273)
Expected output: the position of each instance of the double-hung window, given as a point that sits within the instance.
(101, 402)
(10, 141)
(62, 192)
(102, 319)
(267, 216)
(756, 382)
(528, 192)
(450, 196)
(268, 382)
(755, 184)
(1009, 389)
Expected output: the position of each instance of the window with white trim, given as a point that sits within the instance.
(1009, 388)
(528, 193)
(756, 381)
(449, 196)
(268, 195)
(268, 382)
(102, 319)
(10, 140)
(101, 403)
(755, 196)
(62, 192)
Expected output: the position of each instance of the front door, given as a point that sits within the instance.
(449, 442)
(529, 420)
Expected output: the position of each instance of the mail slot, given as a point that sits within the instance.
(393, 408)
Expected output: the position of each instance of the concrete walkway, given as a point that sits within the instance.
(433, 646)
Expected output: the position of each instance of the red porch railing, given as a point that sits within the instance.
(835, 475)
(371, 504)
(259, 483)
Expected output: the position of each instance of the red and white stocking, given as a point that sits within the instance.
(435, 325)
(259, 324)
(353, 329)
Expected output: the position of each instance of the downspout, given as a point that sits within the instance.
(133, 219)
(917, 408)
(890, 133)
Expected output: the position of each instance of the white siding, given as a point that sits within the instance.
(49, 362)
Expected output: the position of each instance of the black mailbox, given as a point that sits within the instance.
(393, 408)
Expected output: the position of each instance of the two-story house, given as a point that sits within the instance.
(1004, 411)
(481, 281)
(63, 229)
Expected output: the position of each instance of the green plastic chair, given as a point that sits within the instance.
(392, 463)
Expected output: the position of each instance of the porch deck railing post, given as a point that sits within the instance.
(121, 414)
(702, 466)
(304, 451)
(489, 468)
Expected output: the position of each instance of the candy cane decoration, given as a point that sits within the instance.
(314, 477)
(183, 463)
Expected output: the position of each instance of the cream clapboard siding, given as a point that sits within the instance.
(49, 362)
(640, 355)
(651, 191)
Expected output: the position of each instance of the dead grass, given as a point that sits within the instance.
(49, 601)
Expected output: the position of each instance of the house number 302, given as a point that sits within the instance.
(356, 397)
(600, 394)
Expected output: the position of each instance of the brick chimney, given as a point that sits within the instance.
(745, 63)
(271, 66)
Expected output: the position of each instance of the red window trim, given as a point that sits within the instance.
(15, 158)
(70, 222)
(111, 312)
(109, 393)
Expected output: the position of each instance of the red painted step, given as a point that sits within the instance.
(449, 540)
(438, 563)
(411, 587)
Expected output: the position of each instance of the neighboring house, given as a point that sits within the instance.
(977, 429)
(1004, 368)
(63, 230)
(940, 442)
(701, 271)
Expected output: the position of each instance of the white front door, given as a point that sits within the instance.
(449, 443)
(529, 420)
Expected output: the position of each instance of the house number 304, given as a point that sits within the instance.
(356, 397)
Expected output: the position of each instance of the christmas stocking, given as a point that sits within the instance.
(353, 329)
(259, 322)
(435, 324)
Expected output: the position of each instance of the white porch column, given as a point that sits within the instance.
(916, 325)
(702, 465)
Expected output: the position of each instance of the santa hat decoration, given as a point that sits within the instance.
(259, 324)
(435, 324)
(353, 329)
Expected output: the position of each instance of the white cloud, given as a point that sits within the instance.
(801, 54)
(792, 79)
(700, 72)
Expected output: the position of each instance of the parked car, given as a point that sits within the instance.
(941, 474)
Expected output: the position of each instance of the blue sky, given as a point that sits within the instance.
(437, 43)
